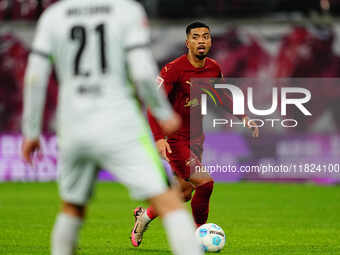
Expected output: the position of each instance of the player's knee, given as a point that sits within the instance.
(207, 186)
(204, 181)
(167, 202)
(74, 210)
(187, 197)
(187, 194)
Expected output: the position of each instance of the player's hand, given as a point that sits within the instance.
(28, 148)
(170, 125)
(163, 147)
(252, 125)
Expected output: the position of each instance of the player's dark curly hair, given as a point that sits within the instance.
(195, 24)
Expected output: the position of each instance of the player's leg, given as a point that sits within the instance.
(143, 217)
(186, 189)
(76, 180)
(170, 209)
(146, 179)
(203, 186)
(66, 228)
(185, 163)
(201, 199)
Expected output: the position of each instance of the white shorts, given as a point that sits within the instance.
(136, 164)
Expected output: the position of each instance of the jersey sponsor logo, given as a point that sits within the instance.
(159, 81)
(191, 103)
(189, 162)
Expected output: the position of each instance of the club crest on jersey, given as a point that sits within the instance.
(189, 83)
(189, 162)
(191, 103)
(159, 81)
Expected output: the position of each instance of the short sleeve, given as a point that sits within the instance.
(220, 73)
(137, 30)
(167, 78)
(42, 40)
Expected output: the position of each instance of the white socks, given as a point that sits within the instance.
(180, 229)
(65, 234)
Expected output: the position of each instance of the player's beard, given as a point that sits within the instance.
(201, 57)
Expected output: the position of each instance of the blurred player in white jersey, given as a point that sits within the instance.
(99, 123)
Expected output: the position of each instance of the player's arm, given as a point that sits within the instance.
(36, 79)
(143, 70)
(165, 82)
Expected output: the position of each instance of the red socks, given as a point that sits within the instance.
(200, 203)
(151, 213)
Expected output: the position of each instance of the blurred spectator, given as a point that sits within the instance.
(308, 53)
(305, 53)
(25, 9)
(4, 9)
(13, 60)
(13, 55)
(31, 9)
(240, 54)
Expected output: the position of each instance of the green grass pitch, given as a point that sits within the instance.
(258, 218)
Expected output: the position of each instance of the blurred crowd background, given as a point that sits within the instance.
(264, 39)
(31, 9)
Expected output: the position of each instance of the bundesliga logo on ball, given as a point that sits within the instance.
(211, 237)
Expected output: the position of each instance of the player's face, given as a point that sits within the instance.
(199, 42)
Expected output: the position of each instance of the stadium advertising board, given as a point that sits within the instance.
(315, 158)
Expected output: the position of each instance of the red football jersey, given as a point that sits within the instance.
(175, 79)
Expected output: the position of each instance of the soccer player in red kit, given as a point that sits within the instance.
(183, 149)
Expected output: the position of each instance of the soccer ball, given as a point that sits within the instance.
(211, 237)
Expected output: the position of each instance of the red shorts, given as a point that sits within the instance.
(185, 156)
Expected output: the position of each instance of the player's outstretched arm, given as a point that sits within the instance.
(36, 80)
(143, 70)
